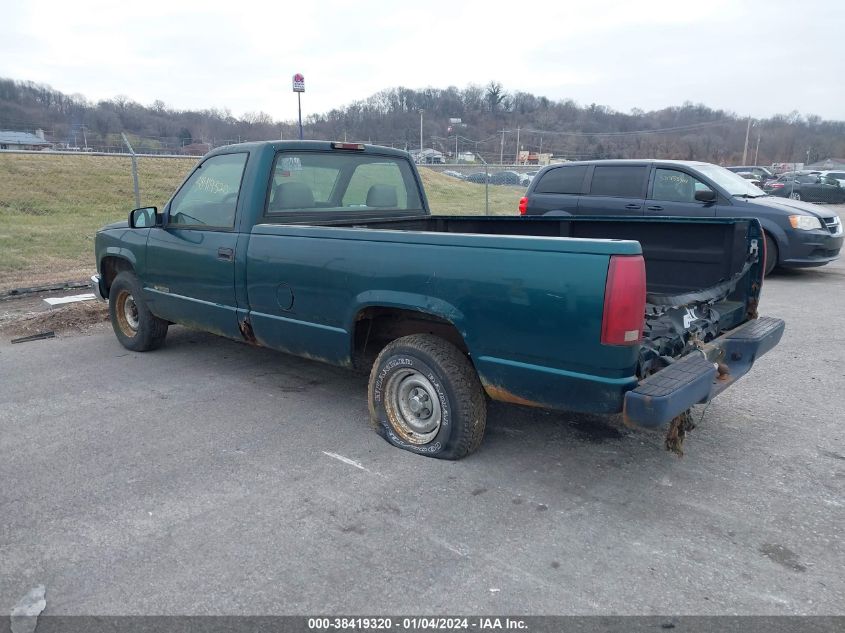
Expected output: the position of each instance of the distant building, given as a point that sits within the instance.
(10, 139)
(427, 156)
(533, 158)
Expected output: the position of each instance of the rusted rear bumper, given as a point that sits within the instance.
(701, 375)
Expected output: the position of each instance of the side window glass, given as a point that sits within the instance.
(562, 180)
(210, 196)
(671, 185)
(620, 181)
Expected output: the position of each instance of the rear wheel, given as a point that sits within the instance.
(135, 326)
(771, 254)
(425, 397)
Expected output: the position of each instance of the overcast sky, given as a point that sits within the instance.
(755, 58)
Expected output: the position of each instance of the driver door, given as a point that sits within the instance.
(672, 192)
(190, 269)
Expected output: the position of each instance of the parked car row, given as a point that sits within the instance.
(506, 177)
(762, 174)
(812, 187)
(797, 234)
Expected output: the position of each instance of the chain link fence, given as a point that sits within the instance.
(476, 188)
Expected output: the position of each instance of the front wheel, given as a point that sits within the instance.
(135, 326)
(425, 397)
(795, 195)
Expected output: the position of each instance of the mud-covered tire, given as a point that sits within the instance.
(771, 254)
(417, 378)
(135, 326)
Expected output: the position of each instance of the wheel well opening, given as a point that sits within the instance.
(375, 327)
(110, 267)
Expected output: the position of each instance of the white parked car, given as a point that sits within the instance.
(526, 178)
(838, 174)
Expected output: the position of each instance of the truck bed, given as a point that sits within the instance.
(681, 256)
(526, 298)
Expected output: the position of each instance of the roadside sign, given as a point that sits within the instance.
(298, 83)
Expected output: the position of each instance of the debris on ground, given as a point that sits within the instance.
(24, 616)
(57, 301)
(73, 317)
(35, 337)
(678, 429)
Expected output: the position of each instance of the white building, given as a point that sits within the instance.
(10, 139)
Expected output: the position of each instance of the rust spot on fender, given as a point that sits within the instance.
(503, 395)
(246, 331)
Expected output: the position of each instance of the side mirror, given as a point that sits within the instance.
(705, 195)
(144, 218)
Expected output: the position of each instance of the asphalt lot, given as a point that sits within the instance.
(210, 477)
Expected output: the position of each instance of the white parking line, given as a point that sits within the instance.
(346, 460)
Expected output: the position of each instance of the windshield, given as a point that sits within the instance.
(733, 183)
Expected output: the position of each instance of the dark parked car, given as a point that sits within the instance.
(478, 177)
(762, 173)
(505, 178)
(798, 234)
(753, 178)
(809, 187)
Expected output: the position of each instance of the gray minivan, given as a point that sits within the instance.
(798, 234)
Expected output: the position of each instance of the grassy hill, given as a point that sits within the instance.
(51, 206)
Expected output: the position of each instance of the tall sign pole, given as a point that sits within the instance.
(299, 88)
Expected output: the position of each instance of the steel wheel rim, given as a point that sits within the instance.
(127, 313)
(413, 406)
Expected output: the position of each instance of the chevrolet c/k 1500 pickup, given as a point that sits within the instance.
(328, 251)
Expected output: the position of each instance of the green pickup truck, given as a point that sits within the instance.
(329, 251)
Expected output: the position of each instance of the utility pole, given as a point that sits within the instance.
(516, 160)
(456, 149)
(134, 172)
(745, 149)
(421, 133)
(502, 149)
(757, 150)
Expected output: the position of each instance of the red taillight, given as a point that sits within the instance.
(355, 146)
(775, 185)
(624, 301)
(523, 205)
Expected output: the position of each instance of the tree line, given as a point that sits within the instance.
(494, 123)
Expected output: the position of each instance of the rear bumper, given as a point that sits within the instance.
(701, 375)
(97, 288)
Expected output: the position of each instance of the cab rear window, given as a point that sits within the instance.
(340, 181)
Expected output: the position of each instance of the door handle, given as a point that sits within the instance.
(655, 207)
(633, 206)
(226, 254)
